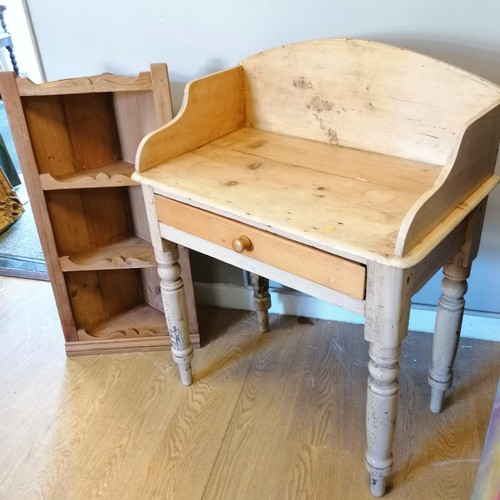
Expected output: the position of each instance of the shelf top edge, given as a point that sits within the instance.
(105, 82)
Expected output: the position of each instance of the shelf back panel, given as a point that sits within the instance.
(135, 117)
(98, 296)
(83, 220)
(72, 133)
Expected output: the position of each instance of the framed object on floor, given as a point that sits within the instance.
(10, 206)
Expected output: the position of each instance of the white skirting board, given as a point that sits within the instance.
(422, 318)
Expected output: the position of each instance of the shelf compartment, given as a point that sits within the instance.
(86, 220)
(140, 321)
(98, 298)
(115, 174)
(72, 134)
(131, 253)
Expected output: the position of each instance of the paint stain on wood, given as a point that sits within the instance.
(230, 183)
(320, 107)
(257, 144)
(332, 136)
(302, 83)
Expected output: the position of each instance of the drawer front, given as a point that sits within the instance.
(331, 271)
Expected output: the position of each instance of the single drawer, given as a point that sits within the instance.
(331, 271)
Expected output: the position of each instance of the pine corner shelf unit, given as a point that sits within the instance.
(76, 140)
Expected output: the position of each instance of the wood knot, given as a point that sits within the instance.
(255, 165)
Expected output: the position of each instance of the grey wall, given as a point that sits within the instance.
(196, 37)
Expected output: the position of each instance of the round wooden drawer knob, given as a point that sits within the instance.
(241, 244)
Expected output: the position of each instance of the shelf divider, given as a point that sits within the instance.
(140, 321)
(116, 174)
(132, 253)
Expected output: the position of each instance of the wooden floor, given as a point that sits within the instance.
(273, 416)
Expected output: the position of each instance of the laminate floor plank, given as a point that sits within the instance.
(289, 421)
(185, 453)
(270, 416)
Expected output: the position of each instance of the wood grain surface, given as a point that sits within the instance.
(320, 194)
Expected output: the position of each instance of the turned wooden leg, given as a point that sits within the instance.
(174, 302)
(381, 409)
(261, 300)
(388, 300)
(449, 316)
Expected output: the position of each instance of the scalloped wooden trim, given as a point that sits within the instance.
(105, 82)
(116, 174)
(120, 334)
(141, 321)
(131, 253)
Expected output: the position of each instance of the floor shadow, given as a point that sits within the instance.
(217, 324)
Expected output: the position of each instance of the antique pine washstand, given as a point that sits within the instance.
(346, 169)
